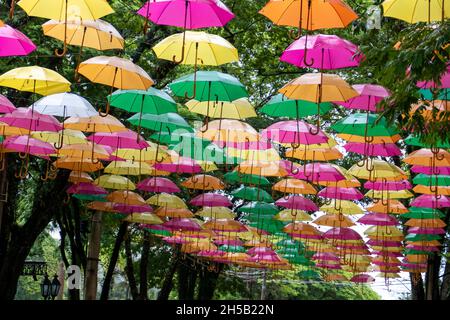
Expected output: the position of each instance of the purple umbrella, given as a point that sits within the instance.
(297, 202)
(14, 42)
(431, 170)
(369, 96)
(127, 208)
(373, 150)
(86, 188)
(182, 225)
(294, 132)
(119, 140)
(378, 219)
(32, 120)
(6, 106)
(341, 193)
(388, 185)
(158, 184)
(187, 14)
(326, 52)
(211, 200)
(431, 201)
(342, 234)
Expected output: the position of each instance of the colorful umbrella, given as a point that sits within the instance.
(158, 185)
(281, 106)
(416, 10)
(14, 42)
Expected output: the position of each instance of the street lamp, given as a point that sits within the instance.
(50, 289)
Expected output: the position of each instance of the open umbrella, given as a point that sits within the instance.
(14, 42)
(416, 10)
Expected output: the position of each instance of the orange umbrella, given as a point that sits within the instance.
(174, 212)
(116, 73)
(78, 176)
(376, 140)
(127, 197)
(83, 151)
(229, 130)
(393, 206)
(300, 228)
(314, 154)
(429, 157)
(224, 225)
(77, 164)
(296, 186)
(7, 130)
(102, 206)
(430, 109)
(426, 223)
(334, 220)
(445, 191)
(203, 182)
(262, 168)
(95, 124)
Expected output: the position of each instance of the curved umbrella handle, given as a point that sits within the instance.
(62, 53)
(60, 144)
(293, 170)
(22, 155)
(194, 93)
(305, 53)
(338, 208)
(315, 131)
(205, 126)
(104, 115)
(341, 217)
(23, 171)
(328, 201)
(11, 9)
(363, 164)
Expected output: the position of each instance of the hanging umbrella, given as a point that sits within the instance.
(378, 219)
(263, 168)
(416, 10)
(295, 186)
(373, 169)
(289, 215)
(431, 201)
(341, 193)
(297, 202)
(115, 182)
(203, 182)
(158, 185)
(251, 194)
(367, 125)
(224, 225)
(294, 132)
(235, 177)
(13, 42)
(146, 218)
(126, 197)
(370, 95)
(77, 164)
(65, 10)
(216, 213)
(314, 172)
(382, 184)
(27, 145)
(174, 212)
(78, 176)
(86, 188)
(132, 168)
(259, 208)
(334, 220)
(326, 52)
(6, 106)
(237, 109)
(35, 79)
(372, 150)
(303, 153)
(229, 130)
(167, 121)
(391, 206)
(121, 140)
(116, 73)
(167, 200)
(31, 120)
(210, 200)
(281, 106)
(339, 206)
(429, 180)
(318, 88)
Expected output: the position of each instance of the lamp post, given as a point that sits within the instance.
(50, 289)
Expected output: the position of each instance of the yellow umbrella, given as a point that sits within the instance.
(413, 11)
(6, 130)
(65, 10)
(237, 109)
(95, 124)
(116, 73)
(334, 220)
(132, 168)
(148, 154)
(304, 153)
(70, 136)
(35, 79)
(289, 215)
(386, 231)
(207, 166)
(345, 206)
(294, 186)
(145, 218)
(253, 155)
(216, 213)
(126, 197)
(82, 151)
(262, 168)
(389, 194)
(372, 169)
(173, 213)
(167, 200)
(114, 182)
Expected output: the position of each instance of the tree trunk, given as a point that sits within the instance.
(432, 277)
(129, 268)
(143, 286)
(183, 281)
(113, 261)
(208, 283)
(93, 257)
(168, 280)
(417, 290)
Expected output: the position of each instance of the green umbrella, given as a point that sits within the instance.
(211, 86)
(281, 106)
(163, 138)
(90, 197)
(429, 180)
(411, 251)
(164, 233)
(167, 122)
(235, 177)
(427, 94)
(422, 237)
(233, 249)
(413, 140)
(298, 259)
(422, 213)
(356, 124)
(288, 243)
(256, 207)
(252, 217)
(152, 101)
(267, 225)
(252, 194)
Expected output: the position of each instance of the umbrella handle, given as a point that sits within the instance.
(295, 145)
(96, 161)
(293, 170)
(363, 163)
(22, 155)
(338, 208)
(195, 76)
(370, 167)
(315, 131)
(305, 50)
(341, 217)
(194, 179)
(11, 10)
(286, 196)
(60, 142)
(295, 34)
(62, 53)
(67, 198)
(206, 126)
(328, 201)
(23, 171)
(101, 114)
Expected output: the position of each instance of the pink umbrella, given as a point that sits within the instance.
(431, 201)
(6, 106)
(297, 202)
(327, 52)
(388, 185)
(414, 265)
(210, 253)
(388, 253)
(342, 234)
(362, 278)
(316, 172)
(176, 240)
(158, 184)
(373, 150)
(14, 42)
(305, 236)
(187, 14)
(328, 266)
(127, 208)
(384, 243)
(229, 242)
(369, 96)
(378, 219)
(123, 140)
(431, 170)
(25, 144)
(182, 224)
(387, 264)
(32, 120)
(86, 188)
(111, 156)
(294, 132)
(211, 200)
(422, 248)
(261, 250)
(444, 82)
(183, 165)
(247, 145)
(265, 258)
(341, 193)
(325, 256)
(418, 230)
